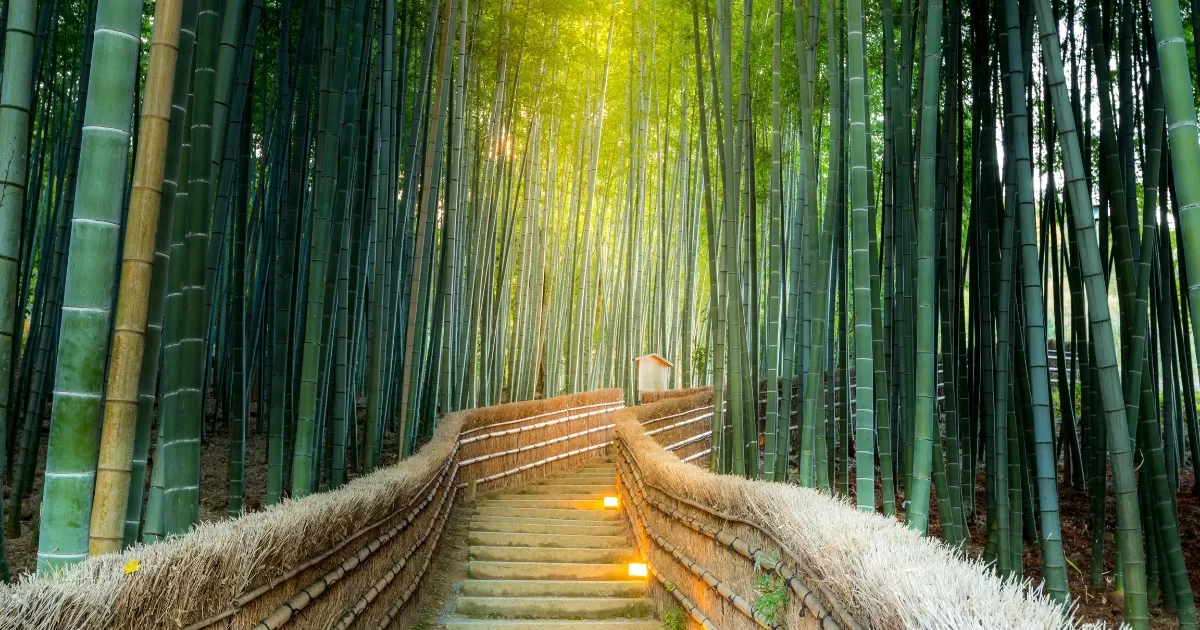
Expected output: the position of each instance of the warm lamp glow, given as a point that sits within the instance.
(637, 569)
(611, 502)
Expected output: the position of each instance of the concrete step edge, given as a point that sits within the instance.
(553, 588)
(553, 555)
(554, 607)
(549, 541)
(542, 624)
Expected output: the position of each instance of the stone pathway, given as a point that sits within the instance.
(549, 555)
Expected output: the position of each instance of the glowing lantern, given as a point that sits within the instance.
(637, 569)
(611, 502)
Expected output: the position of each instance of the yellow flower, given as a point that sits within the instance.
(132, 566)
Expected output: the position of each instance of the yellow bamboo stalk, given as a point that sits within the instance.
(120, 406)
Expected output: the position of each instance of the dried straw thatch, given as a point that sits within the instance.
(647, 398)
(881, 573)
(365, 547)
(510, 445)
(231, 574)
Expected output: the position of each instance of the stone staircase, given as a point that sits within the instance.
(549, 555)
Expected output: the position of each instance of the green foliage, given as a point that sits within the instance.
(771, 601)
(674, 618)
(700, 360)
(772, 597)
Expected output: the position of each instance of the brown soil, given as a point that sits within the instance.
(1103, 604)
(1091, 604)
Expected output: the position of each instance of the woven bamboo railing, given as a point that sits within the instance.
(350, 558)
(356, 557)
(723, 549)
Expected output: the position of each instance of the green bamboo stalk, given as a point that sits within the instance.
(860, 155)
(1182, 130)
(153, 529)
(180, 450)
(1129, 539)
(16, 100)
(333, 60)
(281, 385)
(87, 299)
(927, 435)
(373, 432)
(415, 321)
(119, 431)
(447, 383)
(775, 218)
(1053, 562)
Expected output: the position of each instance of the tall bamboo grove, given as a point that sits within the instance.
(940, 247)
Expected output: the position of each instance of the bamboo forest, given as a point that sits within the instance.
(936, 259)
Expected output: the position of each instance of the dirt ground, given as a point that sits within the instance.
(1091, 604)
(1104, 604)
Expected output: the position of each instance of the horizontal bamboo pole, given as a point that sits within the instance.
(540, 425)
(394, 610)
(802, 590)
(712, 581)
(689, 441)
(301, 600)
(676, 415)
(530, 447)
(249, 596)
(542, 462)
(756, 555)
(612, 406)
(685, 602)
(682, 423)
(386, 580)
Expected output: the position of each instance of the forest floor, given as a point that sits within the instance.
(1094, 604)
(214, 481)
(1104, 604)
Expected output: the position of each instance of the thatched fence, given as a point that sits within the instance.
(352, 557)
(723, 548)
(720, 547)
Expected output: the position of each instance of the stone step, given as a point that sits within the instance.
(585, 555)
(543, 502)
(484, 570)
(526, 519)
(553, 588)
(553, 624)
(485, 509)
(577, 480)
(554, 607)
(555, 496)
(609, 485)
(588, 472)
(546, 526)
(595, 488)
(575, 541)
(550, 556)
